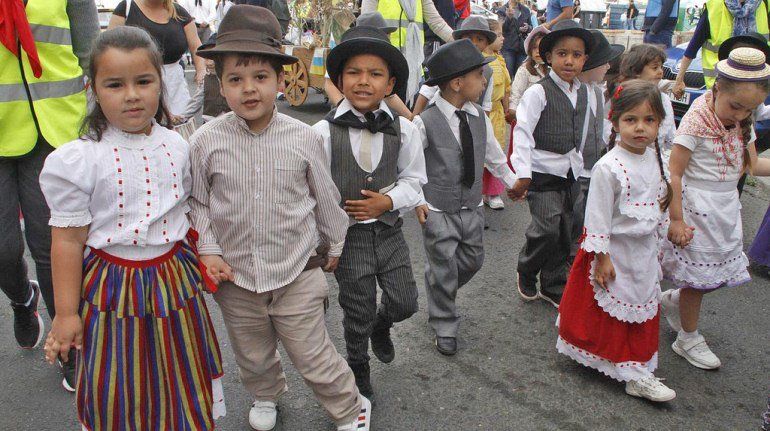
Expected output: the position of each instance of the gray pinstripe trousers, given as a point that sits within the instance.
(374, 254)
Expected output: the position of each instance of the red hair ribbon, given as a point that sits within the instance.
(617, 92)
(609, 116)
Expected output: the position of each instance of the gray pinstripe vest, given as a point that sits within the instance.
(560, 128)
(592, 150)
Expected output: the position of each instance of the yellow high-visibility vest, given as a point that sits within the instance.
(721, 29)
(396, 17)
(53, 105)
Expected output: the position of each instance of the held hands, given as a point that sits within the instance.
(519, 190)
(374, 206)
(200, 77)
(217, 269)
(422, 213)
(66, 333)
(678, 90)
(680, 234)
(605, 270)
(510, 116)
(331, 264)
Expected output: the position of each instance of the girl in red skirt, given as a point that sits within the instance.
(608, 317)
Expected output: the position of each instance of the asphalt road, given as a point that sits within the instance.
(507, 375)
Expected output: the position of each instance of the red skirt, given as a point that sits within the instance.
(622, 350)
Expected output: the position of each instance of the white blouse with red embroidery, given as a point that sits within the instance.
(131, 190)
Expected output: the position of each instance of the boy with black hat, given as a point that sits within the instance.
(458, 140)
(550, 131)
(262, 200)
(377, 163)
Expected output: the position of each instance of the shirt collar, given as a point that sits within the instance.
(449, 110)
(564, 85)
(346, 106)
(132, 140)
(242, 122)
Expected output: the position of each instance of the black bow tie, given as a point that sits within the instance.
(374, 124)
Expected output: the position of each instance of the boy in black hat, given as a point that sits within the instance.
(549, 135)
(459, 140)
(377, 163)
(262, 200)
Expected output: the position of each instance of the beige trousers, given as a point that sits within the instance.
(293, 314)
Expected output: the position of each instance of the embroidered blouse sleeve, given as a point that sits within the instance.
(688, 141)
(67, 182)
(600, 208)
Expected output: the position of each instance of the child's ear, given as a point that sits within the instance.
(281, 82)
(548, 56)
(391, 85)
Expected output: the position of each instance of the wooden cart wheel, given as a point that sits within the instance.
(297, 83)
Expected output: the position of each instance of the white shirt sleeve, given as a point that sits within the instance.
(67, 182)
(688, 141)
(527, 115)
(407, 192)
(495, 159)
(487, 102)
(599, 209)
(322, 127)
(429, 91)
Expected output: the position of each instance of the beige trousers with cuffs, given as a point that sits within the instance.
(293, 314)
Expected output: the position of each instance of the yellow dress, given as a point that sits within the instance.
(501, 80)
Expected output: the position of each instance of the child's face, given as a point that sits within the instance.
(596, 74)
(535, 54)
(478, 39)
(652, 72)
(735, 104)
(366, 81)
(127, 87)
(497, 45)
(471, 85)
(567, 57)
(250, 89)
(637, 128)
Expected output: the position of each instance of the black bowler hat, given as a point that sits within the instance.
(566, 28)
(454, 59)
(602, 52)
(751, 39)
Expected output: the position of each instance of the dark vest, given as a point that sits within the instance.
(350, 178)
(444, 163)
(560, 128)
(592, 150)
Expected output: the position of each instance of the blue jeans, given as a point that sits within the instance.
(631, 24)
(662, 38)
(513, 59)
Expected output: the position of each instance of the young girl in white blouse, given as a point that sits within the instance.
(127, 283)
(608, 316)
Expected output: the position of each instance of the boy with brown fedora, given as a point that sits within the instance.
(262, 200)
(377, 163)
(458, 140)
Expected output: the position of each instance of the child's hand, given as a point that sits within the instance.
(519, 190)
(680, 234)
(605, 270)
(66, 333)
(371, 208)
(422, 213)
(217, 268)
(331, 264)
(177, 120)
(510, 116)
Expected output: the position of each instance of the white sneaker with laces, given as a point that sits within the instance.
(697, 352)
(650, 387)
(496, 203)
(670, 310)
(262, 415)
(362, 421)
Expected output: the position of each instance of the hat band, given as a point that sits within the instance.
(745, 67)
(249, 36)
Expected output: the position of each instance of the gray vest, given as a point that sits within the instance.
(560, 128)
(488, 72)
(350, 178)
(444, 162)
(592, 150)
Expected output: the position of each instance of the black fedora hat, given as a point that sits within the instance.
(750, 39)
(475, 24)
(452, 60)
(248, 30)
(562, 29)
(368, 40)
(602, 51)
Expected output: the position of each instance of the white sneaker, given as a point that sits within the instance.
(496, 203)
(697, 352)
(262, 415)
(362, 422)
(651, 388)
(670, 310)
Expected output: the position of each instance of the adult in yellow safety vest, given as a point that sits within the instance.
(44, 46)
(408, 16)
(721, 20)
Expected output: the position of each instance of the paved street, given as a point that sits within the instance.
(507, 375)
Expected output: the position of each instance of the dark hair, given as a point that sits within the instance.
(530, 64)
(724, 83)
(636, 58)
(124, 38)
(612, 75)
(245, 60)
(628, 96)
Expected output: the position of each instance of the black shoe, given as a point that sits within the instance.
(361, 372)
(553, 298)
(382, 345)
(69, 371)
(446, 345)
(27, 324)
(527, 291)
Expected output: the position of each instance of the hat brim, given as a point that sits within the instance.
(597, 58)
(443, 78)
(388, 30)
(251, 48)
(729, 44)
(340, 54)
(735, 74)
(490, 35)
(549, 40)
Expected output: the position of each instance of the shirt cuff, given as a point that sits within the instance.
(209, 249)
(509, 178)
(335, 250)
(523, 172)
(596, 242)
(64, 220)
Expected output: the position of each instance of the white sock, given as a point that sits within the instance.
(685, 336)
(675, 296)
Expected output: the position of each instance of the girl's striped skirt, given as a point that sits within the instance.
(150, 358)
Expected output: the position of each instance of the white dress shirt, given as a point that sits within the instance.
(205, 13)
(407, 192)
(526, 158)
(494, 158)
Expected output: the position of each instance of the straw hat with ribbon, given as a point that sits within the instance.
(744, 64)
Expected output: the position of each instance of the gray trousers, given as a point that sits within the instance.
(579, 214)
(20, 189)
(454, 249)
(548, 239)
(374, 254)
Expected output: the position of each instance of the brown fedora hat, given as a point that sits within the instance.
(248, 30)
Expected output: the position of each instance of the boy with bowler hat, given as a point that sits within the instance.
(377, 163)
(262, 200)
(550, 132)
(458, 140)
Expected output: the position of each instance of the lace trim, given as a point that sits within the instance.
(712, 275)
(78, 219)
(621, 371)
(636, 205)
(596, 243)
(619, 309)
(218, 409)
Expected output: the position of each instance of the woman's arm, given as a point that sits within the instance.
(116, 21)
(84, 27)
(193, 42)
(435, 21)
(760, 166)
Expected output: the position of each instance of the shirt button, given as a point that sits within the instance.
(257, 196)
(369, 179)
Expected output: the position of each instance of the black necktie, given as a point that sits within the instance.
(374, 124)
(466, 141)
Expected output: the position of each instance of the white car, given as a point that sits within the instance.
(486, 13)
